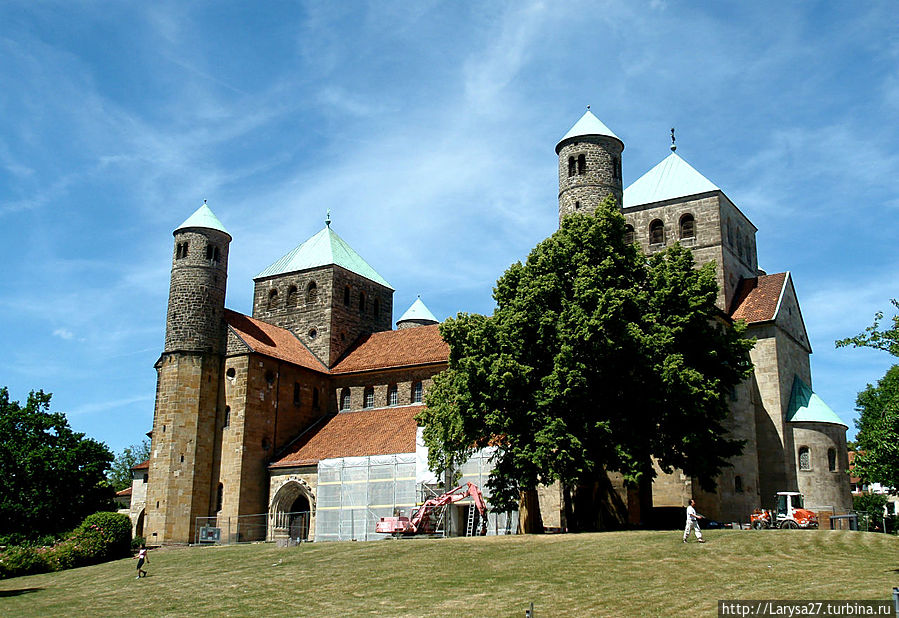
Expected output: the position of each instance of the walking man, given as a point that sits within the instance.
(141, 558)
(693, 522)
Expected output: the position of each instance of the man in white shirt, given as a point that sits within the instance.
(692, 522)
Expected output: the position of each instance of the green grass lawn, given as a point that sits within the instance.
(605, 574)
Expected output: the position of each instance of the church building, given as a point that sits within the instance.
(299, 420)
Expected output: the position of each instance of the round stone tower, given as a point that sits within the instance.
(194, 322)
(589, 166)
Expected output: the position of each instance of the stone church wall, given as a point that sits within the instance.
(823, 488)
(380, 381)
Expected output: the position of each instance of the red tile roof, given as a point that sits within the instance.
(273, 341)
(144, 465)
(421, 345)
(757, 299)
(124, 492)
(383, 431)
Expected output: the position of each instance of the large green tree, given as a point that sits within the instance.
(51, 477)
(597, 359)
(120, 474)
(877, 439)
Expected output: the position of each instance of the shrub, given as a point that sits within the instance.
(16, 561)
(107, 535)
(138, 542)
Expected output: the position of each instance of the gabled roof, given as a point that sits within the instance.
(670, 179)
(758, 299)
(808, 407)
(395, 348)
(587, 125)
(273, 341)
(418, 311)
(144, 465)
(125, 492)
(203, 217)
(382, 431)
(323, 249)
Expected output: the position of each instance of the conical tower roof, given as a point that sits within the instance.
(418, 312)
(324, 249)
(807, 407)
(670, 179)
(589, 124)
(203, 217)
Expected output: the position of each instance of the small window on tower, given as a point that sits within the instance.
(311, 293)
(577, 205)
(805, 458)
(273, 299)
(181, 250)
(572, 166)
(581, 165)
(218, 498)
(832, 459)
(346, 296)
(292, 296)
(656, 232)
(616, 169)
(687, 226)
(227, 416)
(361, 302)
(629, 234)
(212, 252)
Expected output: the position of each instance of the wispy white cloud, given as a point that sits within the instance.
(64, 333)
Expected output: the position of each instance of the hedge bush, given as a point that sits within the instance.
(99, 538)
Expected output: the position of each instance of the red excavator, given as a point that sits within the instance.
(424, 522)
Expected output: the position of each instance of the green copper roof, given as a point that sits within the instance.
(670, 179)
(807, 407)
(203, 217)
(588, 125)
(323, 249)
(418, 311)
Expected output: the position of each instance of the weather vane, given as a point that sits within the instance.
(673, 144)
(328, 218)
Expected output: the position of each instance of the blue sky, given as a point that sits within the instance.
(428, 129)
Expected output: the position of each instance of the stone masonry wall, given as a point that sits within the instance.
(182, 449)
(582, 192)
(380, 381)
(823, 489)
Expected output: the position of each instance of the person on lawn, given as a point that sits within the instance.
(141, 558)
(693, 522)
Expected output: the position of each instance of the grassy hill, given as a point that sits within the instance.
(607, 574)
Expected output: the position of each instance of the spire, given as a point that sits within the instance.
(416, 315)
(588, 124)
(203, 217)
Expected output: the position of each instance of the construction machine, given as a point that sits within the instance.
(424, 520)
(789, 513)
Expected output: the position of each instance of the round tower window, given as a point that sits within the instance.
(313, 334)
(230, 373)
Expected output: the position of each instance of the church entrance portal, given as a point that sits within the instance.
(299, 519)
(291, 511)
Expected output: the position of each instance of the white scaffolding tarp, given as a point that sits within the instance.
(354, 492)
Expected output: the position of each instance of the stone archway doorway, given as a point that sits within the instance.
(139, 526)
(298, 523)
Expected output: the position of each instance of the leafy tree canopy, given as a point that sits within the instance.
(120, 475)
(50, 476)
(877, 440)
(596, 357)
(873, 337)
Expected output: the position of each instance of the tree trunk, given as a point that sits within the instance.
(529, 519)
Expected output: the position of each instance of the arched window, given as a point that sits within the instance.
(346, 296)
(805, 458)
(315, 398)
(629, 234)
(616, 169)
(377, 308)
(832, 459)
(311, 293)
(687, 226)
(581, 165)
(272, 298)
(220, 495)
(392, 398)
(368, 398)
(572, 166)
(656, 232)
(416, 392)
(292, 296)
(361, 302)
(227, 416)
(577, 205)
(738, 484)
(345, 399)
(212, 252)
(296, 394)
